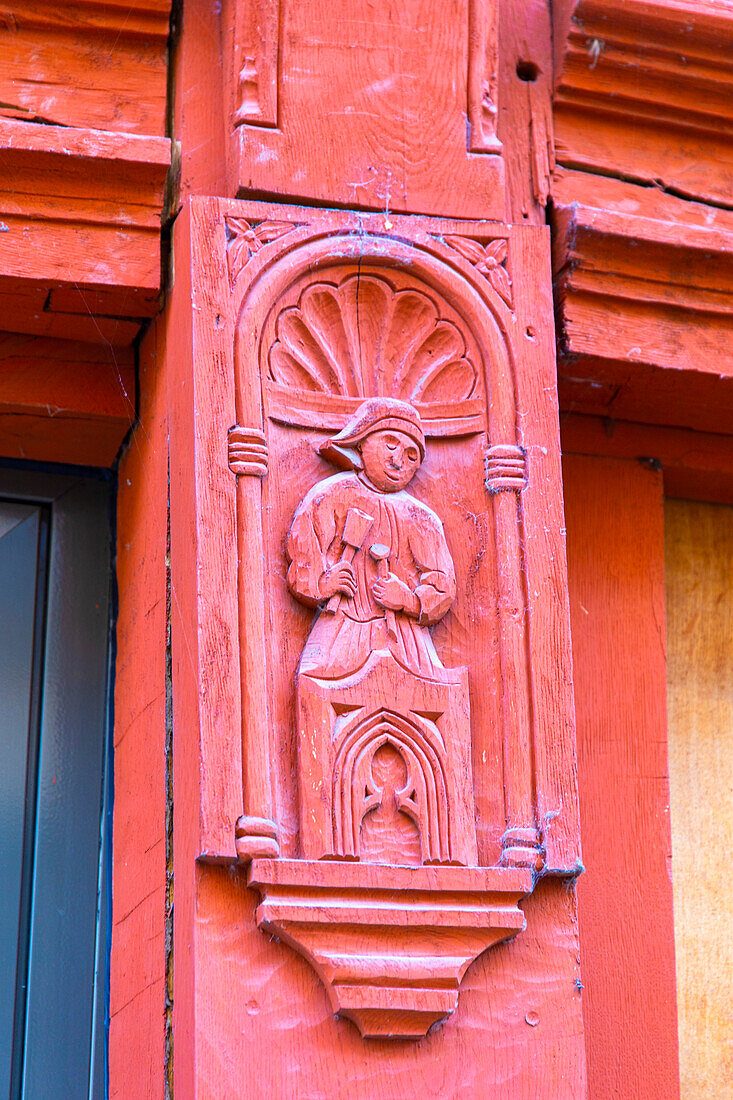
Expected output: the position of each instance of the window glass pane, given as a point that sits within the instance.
(19, 527)
(54, 663)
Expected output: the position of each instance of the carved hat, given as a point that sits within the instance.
(378, 414)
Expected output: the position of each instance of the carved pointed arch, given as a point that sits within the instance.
(424, 796)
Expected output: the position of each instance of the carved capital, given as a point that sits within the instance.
(247, 452)
(506, 469)
(522, 848)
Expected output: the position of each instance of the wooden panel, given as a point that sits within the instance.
(699, 577)
(372, 106)
(62, 401)
(137, 995)
(283, 1039)
(213, 351)
(616, 578)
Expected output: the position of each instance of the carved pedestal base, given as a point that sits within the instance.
(344, 723)
(391, 944)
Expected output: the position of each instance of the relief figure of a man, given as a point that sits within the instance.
(368, 553)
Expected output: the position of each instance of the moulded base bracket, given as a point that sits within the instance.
(391, 944)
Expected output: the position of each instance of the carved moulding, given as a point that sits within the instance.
(391, 944)
(382, 665)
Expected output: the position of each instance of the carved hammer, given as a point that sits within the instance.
(355, 531)
(380, 554)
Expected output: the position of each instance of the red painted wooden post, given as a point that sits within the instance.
(616, 573)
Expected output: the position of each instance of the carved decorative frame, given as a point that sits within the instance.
(370, 930)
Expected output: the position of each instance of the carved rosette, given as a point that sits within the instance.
(326, 324)
(246, 238)
(489, 260)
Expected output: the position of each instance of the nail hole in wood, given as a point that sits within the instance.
(527, 71)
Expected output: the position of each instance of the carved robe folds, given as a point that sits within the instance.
(394, 669)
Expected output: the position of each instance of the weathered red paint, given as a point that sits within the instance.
(642, 265)
(616, 577)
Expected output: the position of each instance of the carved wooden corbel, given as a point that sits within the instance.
(399, 744)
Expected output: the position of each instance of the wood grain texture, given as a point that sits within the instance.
(62, 401)
(204, 620)
(644, 90)
(86, 64)
(699, 581)
(202, 35)
(283, 1039)
(543, 532)
(525, 112)
(616, 578)
(203, 529)
(137, 978)
(372, 111)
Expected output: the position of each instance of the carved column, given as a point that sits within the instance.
(505, 479)
(256, 832)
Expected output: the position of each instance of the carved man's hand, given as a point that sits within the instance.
(339, 578)
(392, 593)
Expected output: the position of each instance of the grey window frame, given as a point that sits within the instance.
(63, 1033)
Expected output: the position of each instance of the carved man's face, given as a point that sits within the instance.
(391, 460)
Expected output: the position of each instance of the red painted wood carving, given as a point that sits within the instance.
(403, 761)
(385, 762)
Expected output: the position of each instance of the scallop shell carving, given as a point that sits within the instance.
(363, 338)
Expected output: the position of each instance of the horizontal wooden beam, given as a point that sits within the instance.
(694, 465)
(644, 299)
(64, 401)
(644, 89)
(83, 63)
(80, 216)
